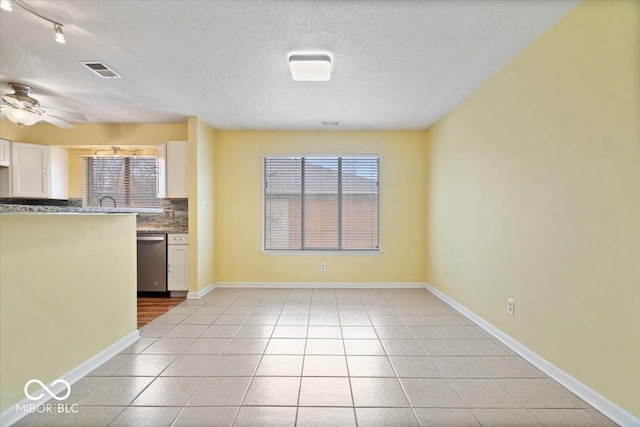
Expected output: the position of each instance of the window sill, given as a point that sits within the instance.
(348, 253)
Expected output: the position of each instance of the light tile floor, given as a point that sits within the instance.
(318, 357)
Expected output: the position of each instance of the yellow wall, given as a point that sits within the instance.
(533, 194)
(239, 199)
(201, 153)
(67, 292)
(9, 130)
(105, 134)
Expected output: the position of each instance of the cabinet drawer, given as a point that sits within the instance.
(178, 239)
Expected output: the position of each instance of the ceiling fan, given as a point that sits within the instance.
(24, 110)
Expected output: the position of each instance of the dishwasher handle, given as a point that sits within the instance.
(146, 238)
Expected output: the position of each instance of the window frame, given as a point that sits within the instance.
(318, 251)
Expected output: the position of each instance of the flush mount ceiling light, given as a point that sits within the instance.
(310, 68)
(57, 27)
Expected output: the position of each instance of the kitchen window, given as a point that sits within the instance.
(123, 181)
(321, 203)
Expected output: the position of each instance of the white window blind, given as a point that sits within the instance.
(321, 203)
(130, 181)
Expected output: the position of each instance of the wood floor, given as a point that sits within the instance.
(150, 308)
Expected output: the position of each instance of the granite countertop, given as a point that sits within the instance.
(163, 230)
(72, 209)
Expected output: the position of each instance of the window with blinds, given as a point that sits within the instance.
(321, 203)
(130, 181)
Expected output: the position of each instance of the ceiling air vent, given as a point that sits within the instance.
(330, 123)
(101, 70)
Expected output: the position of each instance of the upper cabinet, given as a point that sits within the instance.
(172, 170)
(36, 172)
(5, 152)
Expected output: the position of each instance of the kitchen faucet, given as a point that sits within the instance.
(108, 197)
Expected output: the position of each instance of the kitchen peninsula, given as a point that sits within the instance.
(63, 276)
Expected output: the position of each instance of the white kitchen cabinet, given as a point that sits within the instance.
(5, 152)
(58, 173)
(30, 170)
(172, 170)
(36, 172)
(177, 262)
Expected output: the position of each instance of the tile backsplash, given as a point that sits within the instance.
(176, 215)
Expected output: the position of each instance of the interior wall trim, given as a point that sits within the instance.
(202, 292)
(593, 398)
(12, 415)
(337, 285)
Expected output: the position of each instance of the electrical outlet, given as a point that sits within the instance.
(511, 306)
(323, 266)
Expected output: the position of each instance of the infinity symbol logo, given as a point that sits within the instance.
(47, 389)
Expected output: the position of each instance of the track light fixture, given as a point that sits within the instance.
(57, 27)
(116, 152)
(59, 33)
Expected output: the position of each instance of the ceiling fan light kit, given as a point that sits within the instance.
(21, 117)
(24, 110)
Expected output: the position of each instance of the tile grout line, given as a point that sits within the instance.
(304, 356)
(346, 362)
(434, 364)
(413, 410)
(210, 369)
(244, 396)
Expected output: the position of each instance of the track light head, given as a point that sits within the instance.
(59, 33)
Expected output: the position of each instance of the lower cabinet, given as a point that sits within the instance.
(177, 262)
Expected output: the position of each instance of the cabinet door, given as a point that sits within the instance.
(58, 173)
(172, 170)
(162, 170)
(176, 172)
(177, 268)
(30, 165)
(5, 159)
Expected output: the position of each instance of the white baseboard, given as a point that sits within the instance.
(201, 292)
(11, 415)
(593, 398)
(341, 285)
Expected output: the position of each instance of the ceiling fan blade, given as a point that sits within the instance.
(69, 115)
(11, 101)
(57, 122)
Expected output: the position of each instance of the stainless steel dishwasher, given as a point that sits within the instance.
(152, 262)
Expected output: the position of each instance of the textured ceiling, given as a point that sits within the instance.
(397, 64)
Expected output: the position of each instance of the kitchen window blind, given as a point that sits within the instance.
(130, 181)
(321, 203)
